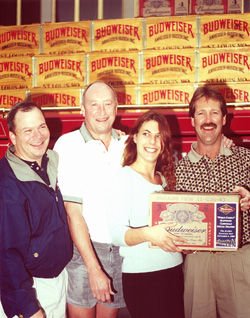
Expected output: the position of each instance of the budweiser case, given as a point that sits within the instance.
(216, 6)
(208, 221)
(149, 8)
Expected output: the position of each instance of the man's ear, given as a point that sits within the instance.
(82, 110)
(192, 121)
(12, 137)
(224, 120)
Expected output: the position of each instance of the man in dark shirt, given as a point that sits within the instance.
(35, 243)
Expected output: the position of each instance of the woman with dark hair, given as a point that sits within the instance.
(152, 278)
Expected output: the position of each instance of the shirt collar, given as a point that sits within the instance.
(44, 163)
(195, 157)
(41, 171)
(87, 136)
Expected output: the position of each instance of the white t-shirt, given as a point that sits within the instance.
(84, 173)
(129, 207)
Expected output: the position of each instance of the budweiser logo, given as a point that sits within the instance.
(226, 24)
(16, 35)
(113, 62)
(64, 32)
(174, 26)
(55, 98)
(62, 64)
(216, 58)
(166, 94)
(171, 59)
(9, 100)
(226, 209)
(14, 67)
(117, 29)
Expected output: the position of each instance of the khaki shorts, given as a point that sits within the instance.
(79, 291)
(51, 293)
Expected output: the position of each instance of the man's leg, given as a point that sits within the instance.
(232, 283)
(51, 293)
(79, 312)
(99, 311)
(199, 298)
(106, 312)
(81, 302)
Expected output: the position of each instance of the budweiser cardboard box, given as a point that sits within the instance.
(16, 72)
(225, 31)
(207, 221)
(217, 66)
(171, 33)
(66, 37)
(234, 92)
(47, 97)
(116, 68)
(168, 67)
(117, 35)
(126, 94)
(162, 94)
(62, 71)
(8, 98)
(216, 6)
(147, 8)
(23, 39)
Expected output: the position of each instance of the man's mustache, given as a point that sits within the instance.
(212, 125)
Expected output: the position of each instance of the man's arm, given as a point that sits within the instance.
(99, 282)
(18, 297)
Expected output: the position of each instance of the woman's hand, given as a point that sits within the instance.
(159, 235)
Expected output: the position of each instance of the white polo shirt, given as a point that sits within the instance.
(85, 170)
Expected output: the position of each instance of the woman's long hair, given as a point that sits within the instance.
(165, 163)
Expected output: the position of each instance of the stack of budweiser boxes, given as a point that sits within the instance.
(152, 61)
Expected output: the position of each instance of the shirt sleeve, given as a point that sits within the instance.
(119, 207)
(17, 295)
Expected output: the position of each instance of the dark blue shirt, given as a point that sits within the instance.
(34, 235)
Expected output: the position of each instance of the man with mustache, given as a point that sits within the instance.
(217, 284)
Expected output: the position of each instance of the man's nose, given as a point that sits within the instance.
(37, 133)
(102, 109)
(207, 118)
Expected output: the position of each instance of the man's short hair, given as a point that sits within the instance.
(101, 82)
(208, 92)
(23, 106)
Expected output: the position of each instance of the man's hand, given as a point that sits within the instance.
(228, 143)
(120, 132)
(245, 197)
(100, 285)
(161, 237)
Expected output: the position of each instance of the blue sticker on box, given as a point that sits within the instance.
(226, 221)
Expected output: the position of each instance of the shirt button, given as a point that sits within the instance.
(36, 254)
